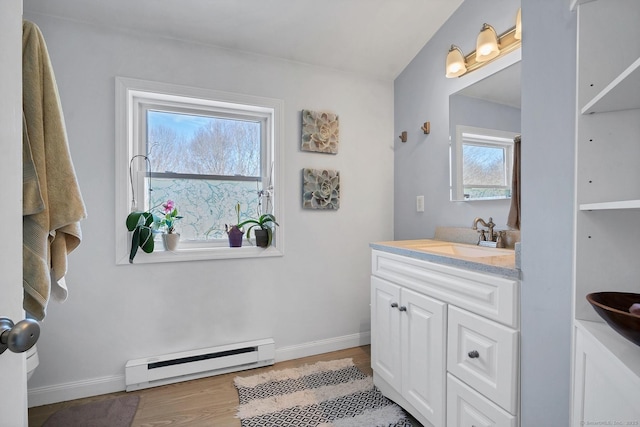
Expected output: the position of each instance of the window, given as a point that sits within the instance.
(205, 150)
(485, 158)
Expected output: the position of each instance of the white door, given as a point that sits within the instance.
(423, 323)
(13, 383)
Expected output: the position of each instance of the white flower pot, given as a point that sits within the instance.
(171, 241)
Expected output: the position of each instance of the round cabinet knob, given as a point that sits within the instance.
(402, 308)
(18, 337)
(394, 305)
(474, 354)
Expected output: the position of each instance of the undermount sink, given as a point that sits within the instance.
(466, 250)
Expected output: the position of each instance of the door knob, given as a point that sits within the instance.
(18, 337)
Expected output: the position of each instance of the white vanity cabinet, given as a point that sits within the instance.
(606, 367)
(409, 323)
(445, 341)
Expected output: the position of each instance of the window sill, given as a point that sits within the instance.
(201, 254)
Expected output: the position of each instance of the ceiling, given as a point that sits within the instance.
(373, 37)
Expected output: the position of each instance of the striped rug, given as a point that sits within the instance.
(325, 394)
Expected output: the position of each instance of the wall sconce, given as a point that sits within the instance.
(489, 46)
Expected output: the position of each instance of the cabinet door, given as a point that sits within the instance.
(385, 331)
(423, 323)
(605, 391)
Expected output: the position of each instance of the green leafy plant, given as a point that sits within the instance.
(141, 224)
(265, 222)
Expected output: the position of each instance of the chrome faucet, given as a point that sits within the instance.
(489, 226)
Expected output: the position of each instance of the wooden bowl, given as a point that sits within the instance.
(613, 307)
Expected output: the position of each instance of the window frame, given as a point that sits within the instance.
(487, 138)
(133, 97)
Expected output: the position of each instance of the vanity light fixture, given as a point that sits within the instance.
(455, 62)
(489, 46)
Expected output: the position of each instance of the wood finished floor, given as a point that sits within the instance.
(205, 402)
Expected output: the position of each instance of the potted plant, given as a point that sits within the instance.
(234, 232)
(143, 224)
(262, 229)
(170, 238)
(140, 223)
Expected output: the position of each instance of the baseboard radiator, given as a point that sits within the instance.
(205, 362)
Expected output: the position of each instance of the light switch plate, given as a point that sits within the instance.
(419, 203)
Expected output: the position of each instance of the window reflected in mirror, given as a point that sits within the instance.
(486, 164)
(484, 118)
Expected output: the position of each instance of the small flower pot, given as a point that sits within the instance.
(262, 237)
(235, 236)
(171, 241)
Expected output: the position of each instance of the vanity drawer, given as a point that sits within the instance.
(487, 295)
(465, 407)
(484, 354)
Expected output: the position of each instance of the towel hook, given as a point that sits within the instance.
(403, 136)
(426, 128)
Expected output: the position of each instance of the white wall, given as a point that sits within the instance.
(422, 94)
(318, 291)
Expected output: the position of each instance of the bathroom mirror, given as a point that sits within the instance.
(484, 117)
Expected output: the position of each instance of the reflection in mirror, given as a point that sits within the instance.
(483, 120)
(484, 163)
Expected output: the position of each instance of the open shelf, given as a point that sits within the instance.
(623, 93)
(623, 204)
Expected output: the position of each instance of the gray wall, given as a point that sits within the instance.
(548, 111)
(548, 158)
(422, 94)
(467, 111)
(312, 300)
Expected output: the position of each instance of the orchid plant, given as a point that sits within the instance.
(142, 225)
(170, 216)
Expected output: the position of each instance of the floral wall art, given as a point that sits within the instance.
(320, 132)
(321, 189)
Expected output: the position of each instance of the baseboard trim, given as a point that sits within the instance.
(96, 386)
(313, 348)
(75, 390)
